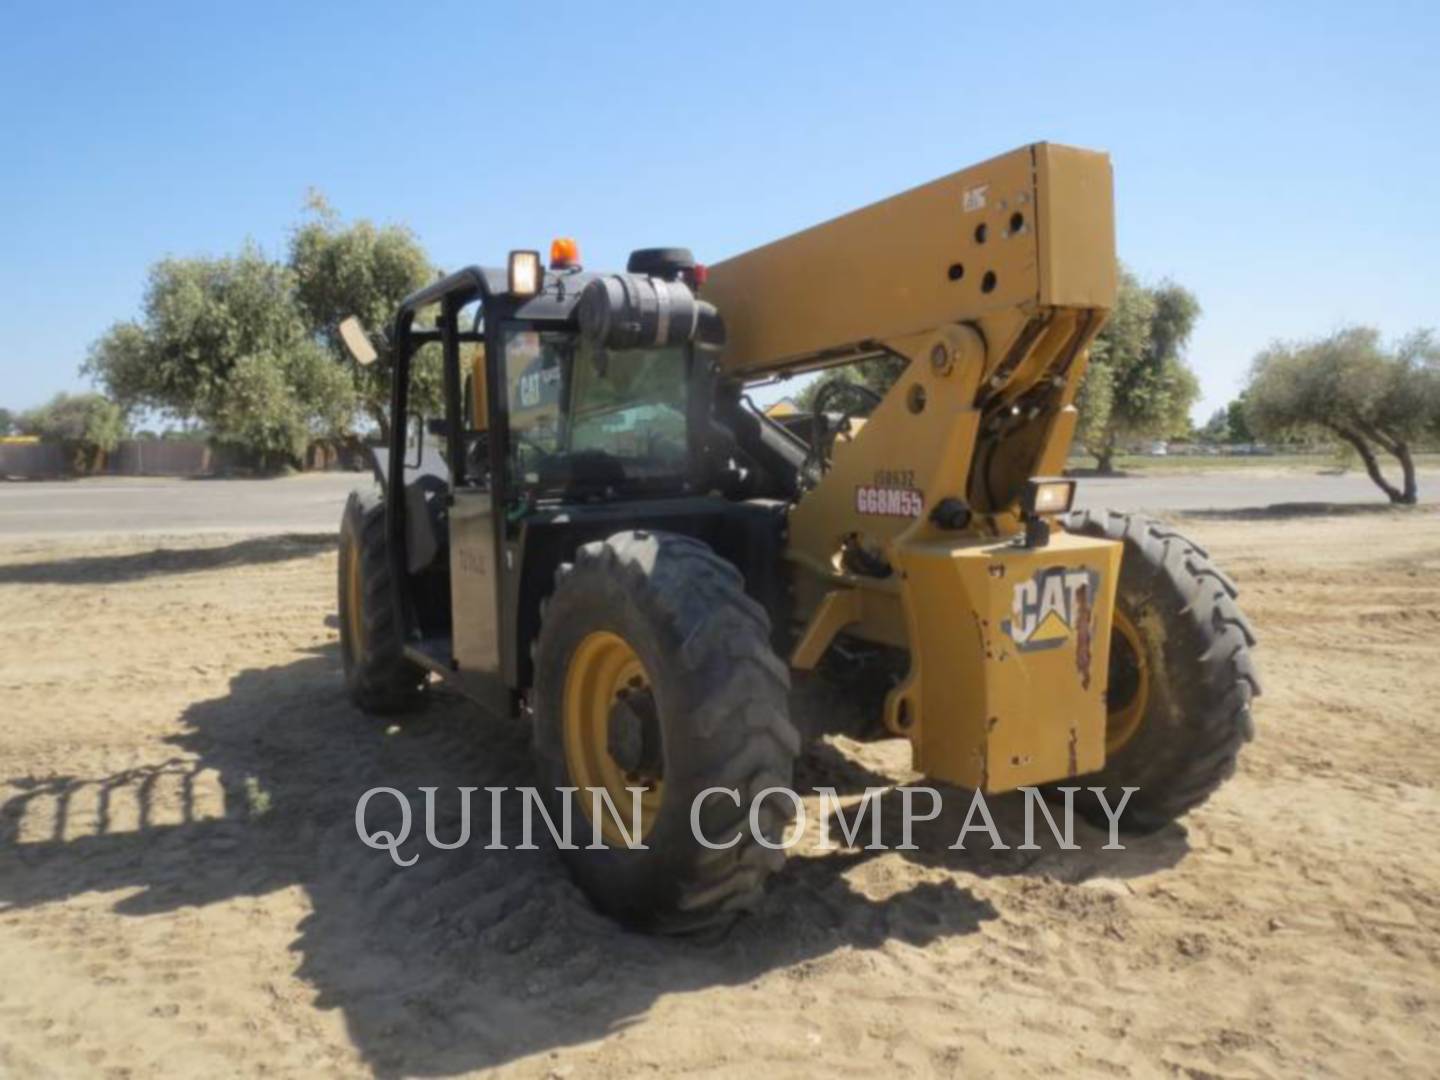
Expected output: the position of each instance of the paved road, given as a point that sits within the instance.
(312, 503)
(1238, 489)
(307, 503)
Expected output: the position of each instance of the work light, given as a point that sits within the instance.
(1046, 495)
(524, 273)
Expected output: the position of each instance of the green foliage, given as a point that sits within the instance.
(1238, 421)
(122, 360)
(248, 347)
(1227, 425)
(88, 425)
(1420, 353)
(276, 405)
(1216, 429)
(1138, 384)
(1348, 385)
(1094, 402)
(223, 341)
(362, 270)
(7, 422)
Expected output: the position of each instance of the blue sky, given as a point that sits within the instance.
(1279, 160)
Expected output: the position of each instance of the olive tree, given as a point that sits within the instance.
(1239, 422)
(87, 425)
(276, 405)
(1227, 425)
(223, 341)
(1138, 384)
(1216, 429)
(363, 270)
(1350, 386)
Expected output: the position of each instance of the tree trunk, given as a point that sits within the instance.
(1411, 494)
(1397, 448)
(382, 421)
(1372, 467)
(1105, 459)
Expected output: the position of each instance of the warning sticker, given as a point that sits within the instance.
(889, 502)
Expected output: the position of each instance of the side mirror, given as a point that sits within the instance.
(357, 341)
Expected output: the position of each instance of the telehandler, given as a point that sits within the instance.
(607, 538)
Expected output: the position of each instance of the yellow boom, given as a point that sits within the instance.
(991, 283)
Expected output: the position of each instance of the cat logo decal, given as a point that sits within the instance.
(1050, 606)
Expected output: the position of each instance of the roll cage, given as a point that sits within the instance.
(552, 307)
(515, 550)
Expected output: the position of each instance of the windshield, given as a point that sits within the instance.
(582, 417)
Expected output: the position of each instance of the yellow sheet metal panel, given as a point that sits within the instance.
(895, 468)
(881, 613)
(1010, 649)
(1076, 223)
(910, 263)
(955, 249)
(839, 609)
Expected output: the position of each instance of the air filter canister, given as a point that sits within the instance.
(631, 311)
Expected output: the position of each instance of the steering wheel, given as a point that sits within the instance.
(863, 400)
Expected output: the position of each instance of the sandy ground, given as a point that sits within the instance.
(182, 893)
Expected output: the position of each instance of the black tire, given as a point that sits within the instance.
(1202, 678)
(719, 696)
(378, 676)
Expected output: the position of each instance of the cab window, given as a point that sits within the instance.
(535, 363)
(630, 405)
(594, 421)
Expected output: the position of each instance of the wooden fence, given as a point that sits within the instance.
(157, 457)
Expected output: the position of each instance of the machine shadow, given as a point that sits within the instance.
(157, 562)
(1286, 511)
(469, 958)
(1028, 843)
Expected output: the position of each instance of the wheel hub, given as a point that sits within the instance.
(1128, 692)
(633, 738)
(612, 730)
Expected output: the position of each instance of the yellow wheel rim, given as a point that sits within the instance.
(354, 614)
(1129, 690)
(604, 673)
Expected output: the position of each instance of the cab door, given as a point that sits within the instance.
(474, 573)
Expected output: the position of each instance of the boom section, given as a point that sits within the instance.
(991, 283)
